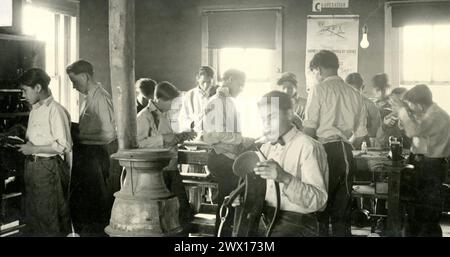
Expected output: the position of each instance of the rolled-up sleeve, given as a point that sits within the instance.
(312, 109)
(60, 130)
(309, 189)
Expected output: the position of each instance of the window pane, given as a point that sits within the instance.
(34, 21)
(74, 101)
(256, 63)
(440, 96)
(258, 66)
(417, 53)
(6, 13)
(58, 31)
(246, 102)
(73, 39)
(62, 52)
(441, 53)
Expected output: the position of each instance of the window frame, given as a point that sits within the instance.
(393, 54)
(211, 56)
(64, 12)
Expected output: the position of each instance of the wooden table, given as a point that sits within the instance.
(377, 161)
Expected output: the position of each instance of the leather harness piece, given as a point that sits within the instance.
(252, 188)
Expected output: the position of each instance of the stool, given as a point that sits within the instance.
(368, 191)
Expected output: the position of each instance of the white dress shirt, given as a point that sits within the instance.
(221, 124)
(305, 159)
(430, 133)
(174, 114)
(49, 124)
(193, 105)
(150, 135)
(335, 110)
(97, 122)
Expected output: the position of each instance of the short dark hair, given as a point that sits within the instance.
(147, 86)
(166, 91)
(419, 94)
(287, 77)
(35, 76)
(325, 59)
(398, 91)
(206, 70)
(380, 81)
(354, 79)
(284, 100)
(80, 66)
(233, 73)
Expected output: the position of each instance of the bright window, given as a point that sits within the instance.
(258, 65)
(425, 54)
(58, 31)
(6, 13)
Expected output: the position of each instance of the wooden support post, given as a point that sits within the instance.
(121, 52)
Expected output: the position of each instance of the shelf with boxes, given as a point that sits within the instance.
(14, 112)
(19, 53)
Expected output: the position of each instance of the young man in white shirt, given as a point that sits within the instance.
(334, 113)
(155, 131)
(46, 174)
(429, 127)
(195, 100)
(296, 161)
(95, 176)
(288, 84)
(221, 130)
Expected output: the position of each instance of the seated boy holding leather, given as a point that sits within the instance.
(294, 166)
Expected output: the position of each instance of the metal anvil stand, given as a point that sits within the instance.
(144, 206)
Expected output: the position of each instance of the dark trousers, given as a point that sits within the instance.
(174, 184)
(46, 197)
(290, 224)
(425, 212)
(221, 168)
(95, 178)
(341, 169)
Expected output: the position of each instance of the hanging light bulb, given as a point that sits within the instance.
(364, 42)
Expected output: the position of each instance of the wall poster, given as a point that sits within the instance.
(338, 33)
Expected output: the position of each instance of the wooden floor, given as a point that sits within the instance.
(445, 226)
(204, 226)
